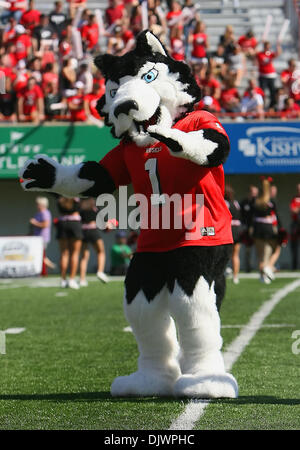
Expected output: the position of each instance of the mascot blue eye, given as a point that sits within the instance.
(150, 76)
(113, 92)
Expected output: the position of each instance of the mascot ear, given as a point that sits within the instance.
(147, 43)
(104, 62)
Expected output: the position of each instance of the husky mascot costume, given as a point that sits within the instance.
(166, 148)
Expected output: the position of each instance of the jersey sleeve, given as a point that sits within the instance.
(115, 164)
(202, 120)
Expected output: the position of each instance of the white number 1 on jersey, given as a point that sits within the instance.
(157, 198)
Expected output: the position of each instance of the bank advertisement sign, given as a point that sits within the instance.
(20, 256)
(67, 143)
(265, 147)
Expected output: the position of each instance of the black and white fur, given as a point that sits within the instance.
(183, 286)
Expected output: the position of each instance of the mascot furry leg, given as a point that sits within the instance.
(166, 148)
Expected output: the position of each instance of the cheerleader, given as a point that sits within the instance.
(236, 227)
(69, 235)
(91, 236)
(266, 231)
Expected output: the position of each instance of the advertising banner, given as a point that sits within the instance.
(21, 256)
(263, 147)
(67, 143)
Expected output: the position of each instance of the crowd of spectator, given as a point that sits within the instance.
(47, 60)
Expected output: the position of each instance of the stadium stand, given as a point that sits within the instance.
(222, 50)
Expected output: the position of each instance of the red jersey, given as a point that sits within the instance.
(152, 167)
(127, 36)
(77, 114)
(265, 64)
(211, 82)
(49, 77)
(90, 33)
(21, 81)
(30, 19)
(199, 45)
(30, 98)
(22, 44)
(227, 95)
(246, 42)
(295, 203)
(92, 100)
(257, 90)
(177, 46)
(113, 14)
(9, 35)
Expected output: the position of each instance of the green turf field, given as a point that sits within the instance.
(57, 373)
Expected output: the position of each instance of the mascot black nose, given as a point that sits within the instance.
(125, 107)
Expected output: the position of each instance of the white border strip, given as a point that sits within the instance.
(195, 408)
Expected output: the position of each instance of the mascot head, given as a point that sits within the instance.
(144, 87)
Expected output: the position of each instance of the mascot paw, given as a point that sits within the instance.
(206, 386)
(165, 135)
(38, 174)
(140, 384)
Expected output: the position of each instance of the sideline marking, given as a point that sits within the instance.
(14, 330)
(195, 408)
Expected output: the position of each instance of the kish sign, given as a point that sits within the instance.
(268, 147)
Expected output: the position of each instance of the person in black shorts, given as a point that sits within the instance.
(247, 220)
(91, 235)
(266, 230)
(236, 227)
(69, 235)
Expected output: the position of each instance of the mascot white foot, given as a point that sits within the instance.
(176, 277)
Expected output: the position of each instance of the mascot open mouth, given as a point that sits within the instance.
(143, 125)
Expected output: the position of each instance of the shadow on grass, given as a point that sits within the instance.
(105, 396)
(83, 396)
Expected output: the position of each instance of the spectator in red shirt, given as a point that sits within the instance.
(287, 74)
(122, 42)
(76, 104)
(49, 76)
(31, 102)
(230, 98)
(22, 77)
(90, 33)
(248, 44)
(267, 72)
(177, 43)
(90, 102)
(7, 67)
(208, 102)
(31, 17)
(199, 41)
(9, 33)
(252, 86)
(174, 15)
(210, 81)
(114, 12)
(22, 42)
(291, 110)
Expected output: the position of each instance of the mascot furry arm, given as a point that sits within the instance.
(207, 147)
(166, 148)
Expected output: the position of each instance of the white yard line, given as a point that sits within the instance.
(196, 408)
